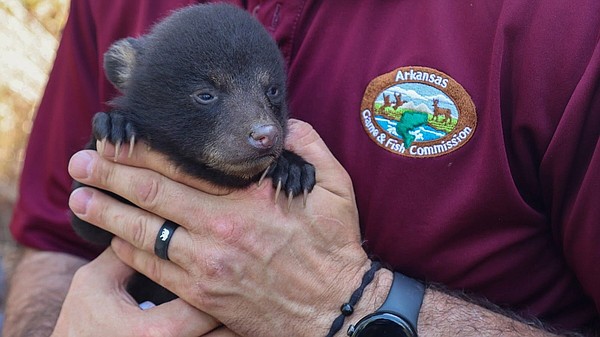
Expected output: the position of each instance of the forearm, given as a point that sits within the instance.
(443, 314)
(37, 289)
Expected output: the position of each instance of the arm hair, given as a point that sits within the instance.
(456, 313)
(36, 292)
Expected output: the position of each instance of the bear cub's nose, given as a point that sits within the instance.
(263, 136)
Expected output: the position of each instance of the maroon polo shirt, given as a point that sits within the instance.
(469, 128)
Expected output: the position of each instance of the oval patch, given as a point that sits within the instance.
(418, 112)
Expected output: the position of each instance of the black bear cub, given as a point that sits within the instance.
(206, 87)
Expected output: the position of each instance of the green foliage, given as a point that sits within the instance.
(441, 124)
(389, 112)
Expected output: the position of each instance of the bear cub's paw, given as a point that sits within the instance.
(114, 128)
(293, 174)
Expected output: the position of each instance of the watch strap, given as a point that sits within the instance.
(404, 299)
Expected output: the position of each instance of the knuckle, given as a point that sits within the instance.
(215, 265)
(147, 192)
(206, 295)
(227, 230)
(138, 232)
(199, 295)
(220, 265)
(102, 172)
(152, 269)
(82, 275)
(150, 265)
(101, 212)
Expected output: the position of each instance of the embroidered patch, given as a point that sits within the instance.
(418, 112)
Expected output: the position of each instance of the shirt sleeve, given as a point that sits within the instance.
(41, 217)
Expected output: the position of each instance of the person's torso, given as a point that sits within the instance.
(441, 112)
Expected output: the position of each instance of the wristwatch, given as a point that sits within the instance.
(397, 317)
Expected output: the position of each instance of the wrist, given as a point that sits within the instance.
(373, 297)
(399, 313)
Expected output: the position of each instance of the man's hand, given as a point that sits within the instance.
(98, 305)
(258, 268)
(261, 269)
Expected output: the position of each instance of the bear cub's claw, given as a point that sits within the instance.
(292, 174)
(113, 127)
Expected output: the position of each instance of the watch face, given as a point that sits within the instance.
(383, 325)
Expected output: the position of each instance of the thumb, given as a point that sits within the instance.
(108, 263)
(177, 317)
(106, 272)
(304, 140)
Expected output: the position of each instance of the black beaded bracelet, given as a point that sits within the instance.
(348, 308)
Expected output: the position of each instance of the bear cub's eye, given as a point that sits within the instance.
(204, 96)
(273, 92)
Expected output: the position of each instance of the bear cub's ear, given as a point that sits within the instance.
(119, 61)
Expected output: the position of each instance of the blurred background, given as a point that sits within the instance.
(29, 35)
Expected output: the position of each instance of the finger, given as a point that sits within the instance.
(144, 157)
(184, 319)
(108, 263)
(145, 188)
(163, 272)
(135, 225)
(304, 140)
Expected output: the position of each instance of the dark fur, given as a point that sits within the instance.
(168, 78)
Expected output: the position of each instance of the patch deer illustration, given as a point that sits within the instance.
(441, 112)
(386, 102)
(399, 101)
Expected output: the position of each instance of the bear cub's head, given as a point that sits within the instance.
(206, 87)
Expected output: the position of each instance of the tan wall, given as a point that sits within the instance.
(29, 33)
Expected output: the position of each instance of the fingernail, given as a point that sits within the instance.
(80, 198)
(79, 166)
